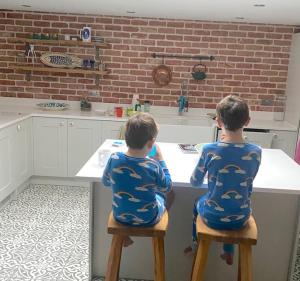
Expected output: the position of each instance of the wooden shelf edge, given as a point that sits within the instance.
(61, 42)
(58, 70)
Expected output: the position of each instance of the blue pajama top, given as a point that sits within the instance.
(231, 169)
(138, 186)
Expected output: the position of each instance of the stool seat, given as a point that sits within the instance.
(157, 230)
(119, 231)
(245, 238)
(246, 235)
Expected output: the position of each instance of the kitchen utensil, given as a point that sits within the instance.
(162, 75)
(199, 71)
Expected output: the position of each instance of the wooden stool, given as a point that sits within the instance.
(245, 238)
(157, 232)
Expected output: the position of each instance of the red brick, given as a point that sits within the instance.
(6, 21)
(50, 17)
(14, 15)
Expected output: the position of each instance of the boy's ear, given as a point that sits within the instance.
(150, 143)
(247, 123)
(219, 122)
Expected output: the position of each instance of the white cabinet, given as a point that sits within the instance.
(15, 156)
(84, 137)
(285, 140)
(6, 184)
(21, 143)
(185, 134)
(62, 146)
(112, 130)
(50, 146)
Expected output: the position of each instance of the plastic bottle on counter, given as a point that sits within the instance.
(146, 106)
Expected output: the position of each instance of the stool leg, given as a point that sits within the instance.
(159, 258)
(113, 265)
(200, 261)
(239, 266)
(246, 262)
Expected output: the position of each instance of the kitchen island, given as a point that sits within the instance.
(275, 202)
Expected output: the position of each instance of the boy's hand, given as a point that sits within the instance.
(158, 156)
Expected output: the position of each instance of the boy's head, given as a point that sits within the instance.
(141, 129)
(233, 113)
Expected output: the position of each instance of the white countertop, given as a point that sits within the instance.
(278, 173)
(13, 110)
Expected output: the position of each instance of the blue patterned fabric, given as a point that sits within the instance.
(139, 186)
(231, 169)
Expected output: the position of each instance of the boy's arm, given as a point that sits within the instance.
(257, 168)
(164, 182)
(107, 174)
(199, 173)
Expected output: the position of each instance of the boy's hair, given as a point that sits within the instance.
(140, 128)
(233, 112)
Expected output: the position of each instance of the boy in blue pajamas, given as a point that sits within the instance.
(231, 165)
(139, 183)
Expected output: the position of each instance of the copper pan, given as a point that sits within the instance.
(162, 75)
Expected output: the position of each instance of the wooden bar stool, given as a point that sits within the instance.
(245, 238)
(157, 232)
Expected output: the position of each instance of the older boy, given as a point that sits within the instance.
(139, 183)
(231, 165)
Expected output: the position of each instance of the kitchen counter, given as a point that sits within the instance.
(275, 203)
(15, 110)
(285, 172)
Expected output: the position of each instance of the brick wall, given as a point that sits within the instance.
(258, 55)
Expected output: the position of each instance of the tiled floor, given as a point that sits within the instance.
(44, 235)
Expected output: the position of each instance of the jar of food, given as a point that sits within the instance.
(147, 106)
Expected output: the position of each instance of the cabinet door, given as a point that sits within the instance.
(84, 137)
(285, 140)
(21, 151)
(112, 130)
(50, 146)
(6, 184)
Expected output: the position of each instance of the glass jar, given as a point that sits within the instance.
(147, 106)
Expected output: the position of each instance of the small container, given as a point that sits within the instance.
(147, 106)
(118, 111)
(152, 152)
(103, 156)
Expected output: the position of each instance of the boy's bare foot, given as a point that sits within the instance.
(228, 257)
(127, 241)
(188, 251)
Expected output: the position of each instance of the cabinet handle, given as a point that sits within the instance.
(19, 128)
(245, 137)
(275, 136)
(71, 124)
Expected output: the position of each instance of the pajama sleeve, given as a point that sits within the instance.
(164, 182)
(200, 171)
(107, 174)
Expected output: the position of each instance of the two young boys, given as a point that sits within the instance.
(140, 184)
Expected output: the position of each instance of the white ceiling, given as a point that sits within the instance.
(276, 11)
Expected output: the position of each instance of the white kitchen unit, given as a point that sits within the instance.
(285, 140)
(111, 130)
(22, 153)
(84, 137)
(50, 146)
(15, 156)
(6, 186)
(275, 201)
(62, 145)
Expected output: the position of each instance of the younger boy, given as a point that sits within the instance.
(139, 183)
(231, 165)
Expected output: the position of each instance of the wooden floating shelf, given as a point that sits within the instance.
(61, 42)
(59, 70)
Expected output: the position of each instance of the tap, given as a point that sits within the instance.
(183, 103)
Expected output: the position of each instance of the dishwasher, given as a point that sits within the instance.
(261, 137)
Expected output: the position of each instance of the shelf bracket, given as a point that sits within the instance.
(97, 80)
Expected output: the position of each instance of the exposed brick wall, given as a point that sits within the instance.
(259, 55)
